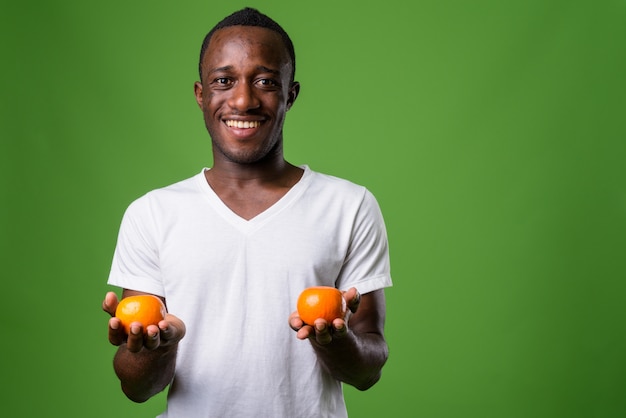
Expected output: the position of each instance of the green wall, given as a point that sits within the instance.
(492, 132)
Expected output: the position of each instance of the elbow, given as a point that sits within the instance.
(375, 375)
(366, 384)
(135, 396)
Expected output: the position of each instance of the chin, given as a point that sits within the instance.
(243, 155)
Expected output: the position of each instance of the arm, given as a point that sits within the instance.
(351, 349)
(144, 363)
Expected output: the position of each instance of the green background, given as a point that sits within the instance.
(492, 133)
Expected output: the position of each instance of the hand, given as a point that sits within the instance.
(167, 332)
(322, 332)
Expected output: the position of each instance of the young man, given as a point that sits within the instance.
(230, 249)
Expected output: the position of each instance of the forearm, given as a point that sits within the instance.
(356, 359)
(146, 373)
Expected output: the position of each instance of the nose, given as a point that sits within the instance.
(243, 97)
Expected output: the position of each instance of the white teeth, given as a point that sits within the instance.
(240, 124)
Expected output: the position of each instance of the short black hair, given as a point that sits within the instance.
(251, 17)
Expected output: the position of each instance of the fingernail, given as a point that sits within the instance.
(320, 327)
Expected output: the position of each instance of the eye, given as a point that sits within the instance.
(267, 82)
(221, 81)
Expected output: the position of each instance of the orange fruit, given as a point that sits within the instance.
(321, 302)
(146, 309)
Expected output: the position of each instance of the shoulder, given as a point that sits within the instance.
(336, 185)
(335, 192)
(173, 194)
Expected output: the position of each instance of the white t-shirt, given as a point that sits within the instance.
(234, 283)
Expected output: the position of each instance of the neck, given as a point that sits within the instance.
(249, 189)
(272, 169)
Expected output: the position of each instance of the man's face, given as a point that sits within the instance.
(245, 92)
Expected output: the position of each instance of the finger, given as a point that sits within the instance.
(116, 332)
(172, 330)
(295, 322)
(109, 304)
(167, 331)
(322, 332)
(152, 337)
(353, 299)
(305, 332)
(339, 328)
(135, 340)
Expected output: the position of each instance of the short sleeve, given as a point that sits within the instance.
(136, 258)
(367, 263)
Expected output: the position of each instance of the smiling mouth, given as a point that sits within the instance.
(243, 124)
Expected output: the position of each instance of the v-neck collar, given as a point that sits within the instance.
(246, 225)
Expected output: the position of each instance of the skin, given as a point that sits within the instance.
(144, 362)
(352, 349)
(246, 77)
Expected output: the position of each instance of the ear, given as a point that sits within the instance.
(197, 89)
(294, 90)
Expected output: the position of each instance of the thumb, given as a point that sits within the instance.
(109, 304)
(353, 299)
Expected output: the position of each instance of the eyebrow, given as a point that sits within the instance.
(220, 69)
(267, 70)
(261, 68)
